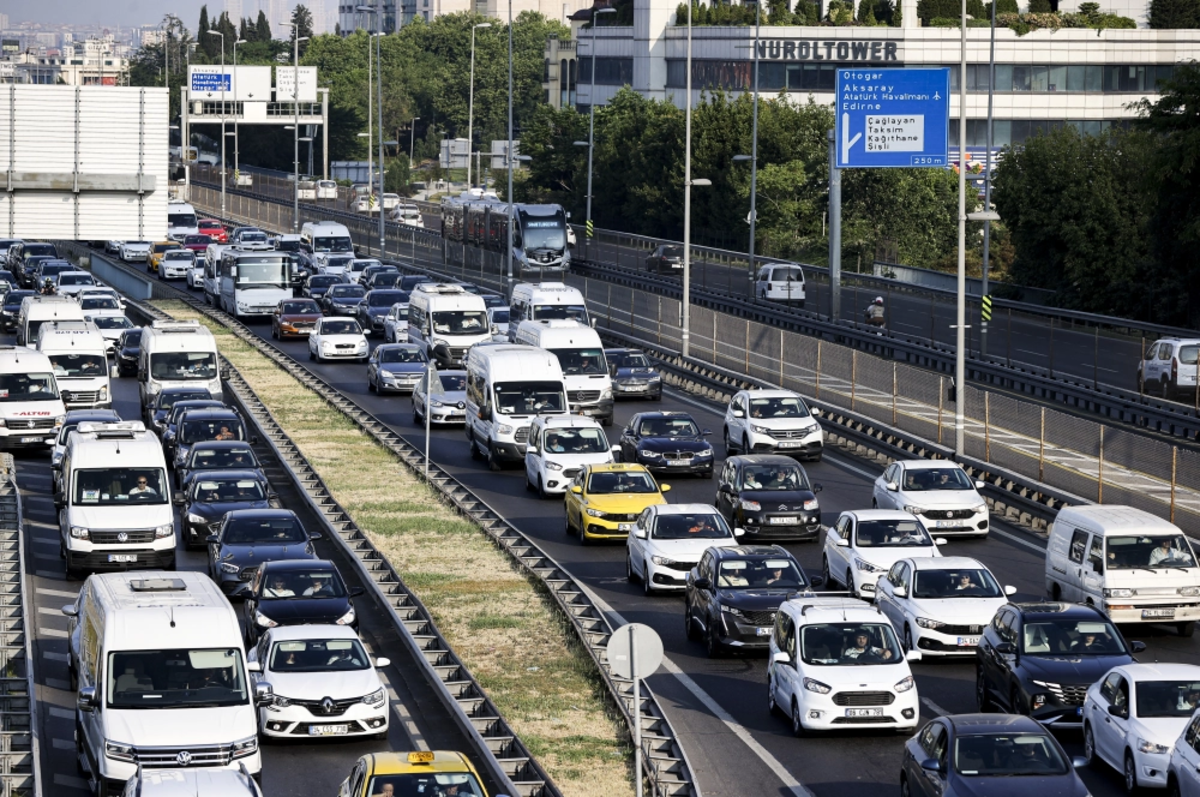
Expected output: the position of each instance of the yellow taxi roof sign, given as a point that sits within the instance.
(421, 757)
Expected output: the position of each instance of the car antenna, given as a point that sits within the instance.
(172, 612)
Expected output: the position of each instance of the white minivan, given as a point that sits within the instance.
(446, 321)
(79, 354)
(30, 405)
(581, 355)
(545, 301)
(162, 677)
(780, 282)
(37, 310)
(177, 354)
(507, 387)
(1130, 564)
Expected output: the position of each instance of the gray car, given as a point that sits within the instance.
(396, 367)
(448, 397)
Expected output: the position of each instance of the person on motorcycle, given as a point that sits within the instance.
(48, 287)
(874, 312)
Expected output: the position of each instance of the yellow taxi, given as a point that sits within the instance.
(604, 501)
(426, 773)
(156, 252)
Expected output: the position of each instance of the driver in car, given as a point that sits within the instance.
(142, 488)
(965, 582)
(862, 647)
(1165, 551)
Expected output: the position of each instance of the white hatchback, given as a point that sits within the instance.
(668, 540)
(863, 545)
(937, 491)
(559, 447)
(337, 338)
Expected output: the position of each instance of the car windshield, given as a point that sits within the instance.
(99, 303)
(269, 271)
(575, 441)
(306, 307)
(691, 527)
(386, 279)
(76, 279)
(1150, 550)
(459, 322)
(759, 574)
(13, 299)
(218, 458)
(629, 360)
(1071, 637)
(303, 584)
(253, 237)
(323, 280)
(188, 256)
(132, 338)
(775, 477)
(108, 486)
(573, 312)
(577, 362)
(318, 655)
(183, 365)
(199, 678)
(225, 429)
(995, 754)
(891, 533)
(341, 328)
(384, 298)
(958, 583)
(543, 233)
(197, 239)
(668, 427)
(168, 399)
(778, 408)
(452, 383)
(28, 387)
(672, 251)
(347, 291)
(425, 784)
(849, 644)
(263, 531)
(402, 354)
(949, 478)
(500, 316)
(527, 398)
(607, 483)
(1167, 698)
(217, 490)
(72, 366)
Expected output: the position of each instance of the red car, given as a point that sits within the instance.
(213, 229)
(197, 243)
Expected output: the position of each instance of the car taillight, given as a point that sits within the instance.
(1174, 368)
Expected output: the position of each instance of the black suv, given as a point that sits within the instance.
(770, 496)
(731, 596)
(633, 375)
(666, 259)
(667, 442)
(1039, 659)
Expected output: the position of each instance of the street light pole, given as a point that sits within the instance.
(591, 145)
(686, 320)
(236, 141)
(960, 342)
(379, 107)
(296, 39)
(987, 183)
(470, 108)
(222, 35)
(754, 153)
(509, 150)
(412, 143)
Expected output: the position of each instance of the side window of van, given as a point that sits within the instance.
(1078, 546)
(1096, 554)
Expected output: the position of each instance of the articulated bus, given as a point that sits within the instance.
(253, 283)
(539, 234)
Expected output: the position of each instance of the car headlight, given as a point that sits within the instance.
(606, 393)
(736, 612)
(904, 684)
(347, 618)
(119, 750)
(165, 530)
(750, 506)
(1189, 591)
(279, 701)
(263, 620)
(812, 505)
(594, 512)
(553, 466)
(104, 393)
(439, 342)
(504, 428)
(813, 685)
(59, 420)
(436, 404)
(760, 430)
(925, 622)
(229, 567)
(867, 567)
(1124, 592)
(649, 454)
(704, 454)
(913, 509)
(979, 508)
(1146, 746)
(245, 747)
(79, 532)
(663, 561)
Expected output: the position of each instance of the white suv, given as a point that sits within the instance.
(835, 663)
(772, 422)
(1169, 367)
(559, 446)
(668, 540)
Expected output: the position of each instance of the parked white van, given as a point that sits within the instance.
(581, 355)
(1130, 564)
(114, 501)
(162, 677)
(545, 301)
(446, 321)
(507, 387)
(30, 406)
(80, 360)
(37, 310)
(177, 354)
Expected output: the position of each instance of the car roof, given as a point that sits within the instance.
(220, 444)
(616, 467)
(994, 723)
(299, 564)
(329, 631)
(1162, 670)
(205, 413)
(397, 763)
(880, 514)
(399, 346)
(927, 464)
(945, 563)
(684, 509)
(239, 473)
(752, 552)
(762, 459)
(263, 513)
(567, 421)
(644, 416)
(1065, 610)
(765, 392)
(90, 415)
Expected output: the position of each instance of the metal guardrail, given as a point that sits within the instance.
(19, 765)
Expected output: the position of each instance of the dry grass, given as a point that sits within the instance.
(502, 624)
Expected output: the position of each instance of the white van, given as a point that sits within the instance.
(581, 355)
(1130, 564)
(80, 360)
(507, 387)
(192, 782)
(30, 406)
(322, 238)
(545, 301)
(177, 354)
(115, 500)
(327, 189)
(780, 282)
(162, 677)
(446, 320)
(37, 310)
(212, 273)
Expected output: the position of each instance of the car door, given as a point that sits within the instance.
(735, 419)
(727, 490)
(833, 552)
(373, 367)
(638, 544)
(1092, 575)
(992, 669)
(885, 498)
(1149, 365)
(784, 676)
(933, 744)
(1187, 755)
(534, 453)
(1110, 732)
(251, 602)
(629, 441)
(885, 597)
(700, 601)
(1072, 591)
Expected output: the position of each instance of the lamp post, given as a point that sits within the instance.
(375, 11)
(987, 182)
(236, 176)
(688, 182)
(508, 152)
(470, 107)
(591, 142)
(960, 316)
(222, 35)
(754, 154)
(412, 140)
(296, 39)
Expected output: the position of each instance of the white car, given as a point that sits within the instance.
(134, 251)
(1183, 773)
(772, 422)
(175, 264)
(559, 447)
(111, 327)
(195, 274)
(497, 318)
(936, 490)
(449, 397)
(940, 605)
(253, 240)
(668, 540)
(864, 544)
(101, 290)
(70, 283)
(324, 683)
(780, 282)
(408, 215)
(337, 338)
(112, 247)
(358, 265)
(835, 664)
(1133, 716)
(395, 323)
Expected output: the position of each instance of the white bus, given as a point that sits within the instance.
(181, 220)
(254, 283)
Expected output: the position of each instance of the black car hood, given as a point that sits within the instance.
(1067, 669)
(374, 311)
(294, 611)
(772, 499)
(673, 444)
(755, 599)
(1067, 785)
(217, 509)
(251, 555)
(635, 373)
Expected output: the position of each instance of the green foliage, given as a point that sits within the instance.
(928, 10)
(207, 44)
(1040, 7)
(397, 175)
(1166, 14)
(976, 9)
(840, 13)
(263, 33)
(302, 26)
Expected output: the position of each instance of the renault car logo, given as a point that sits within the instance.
(328, 706)
(183, 758)
(122, 536)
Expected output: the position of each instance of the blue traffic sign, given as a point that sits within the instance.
(211, 82)
(892, 118)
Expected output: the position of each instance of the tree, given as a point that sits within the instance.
(263, 28)
(1166, 14)
(302, 26)
(244, 31)
(1040, 7)
(207, 43)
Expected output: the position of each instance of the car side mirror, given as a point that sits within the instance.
(242, 592)
(531, 449)
(815, 410)
(979, 485)
(179, 497)
(702, 583)
(575, 488)
(114, 372)
(1009, 589)
(817, 487)
(253, 440)
(593, 323)
(253, 666)
(356, 591)
(892, 487)
(1137, 647)
(86, 700)
(739, 532)
(314, 536)
(224, 371)
(706, 433)
(816, 581)
(1079, 762)
(485, 413)
(664, 488)
(843, 542)
(1006, 648)
(640, 533)
(940, 541)
(781, 657)
(739, 414)
(70, 610)
(1116, 711)
(212, 539)
(900, 592)
(382, 661)
(932, 765)
(913, 655)
(264, 694)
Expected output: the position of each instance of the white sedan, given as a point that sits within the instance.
(936, 490)
(337, 338)
(940, 605)
(134, 251)
(668, 540)
(324, 683)
(1133, 716)
(864, 544)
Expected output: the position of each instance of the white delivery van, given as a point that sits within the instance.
(162, 677)
(581, 355)
(1132, 565)
(114, 504)
(780, 282)
(181, 220)
(37, 310)
(507, 387)
(177, 354)
(212, 273)
(323, 238)
(30, 406)
(545, 301)
(446, 320)
(79, 355)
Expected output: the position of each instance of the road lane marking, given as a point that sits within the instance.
(61, 713)
(934, 707)
(58, 593)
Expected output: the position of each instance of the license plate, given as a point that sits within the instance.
(624, 527)
(31, 439)
(122, 557)
(679, 462)
(1158, 613)
(790, 443)
(946, 524)
(864, 712)
(327, 730)
(968, 641)
(762, 631)
(636, 388)
(782, 521)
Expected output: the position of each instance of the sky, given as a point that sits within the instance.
(110, 12)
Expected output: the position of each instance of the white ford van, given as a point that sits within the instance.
(581, 355)
(31, 409)
(1130, 564)
(162, 677)
(177, 354)
(446, 321)
(507, 387)
(79, 354)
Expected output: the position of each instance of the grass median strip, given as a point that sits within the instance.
(503, 624)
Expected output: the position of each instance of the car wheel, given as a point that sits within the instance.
(493, 462)
(1168, 390)
(797, 727)
(730, 448)
(1186, 629)
(274, 332)
(630, 576)
(541, 489)
(1089, 745)
(1056, 592)
(1172, 787)
(746, 449)
(311, 356)
(908, 643)
(772, 706)
(370, 386)
(904, 790)
(850, 584)
(689, 628)
(825, 571)
(647, 587)
(567, 523)
(712, 645)
(1130, 772)
(982, 700)
(475, 453)
(874, 504)
(1014, 701)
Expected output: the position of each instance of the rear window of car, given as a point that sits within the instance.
(1187, 354)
